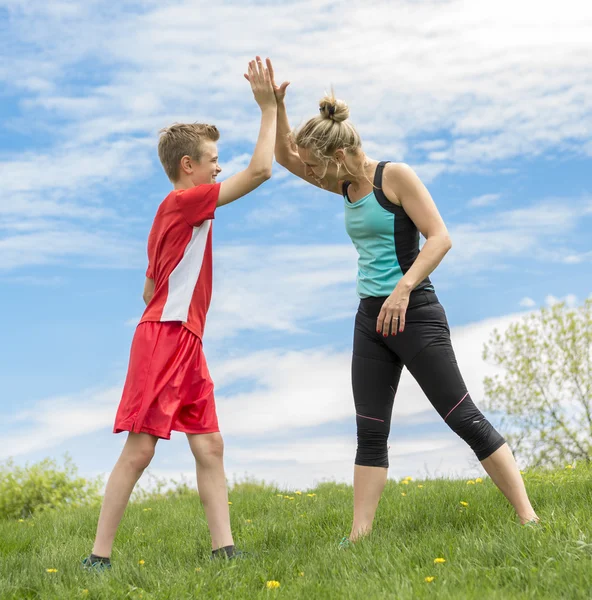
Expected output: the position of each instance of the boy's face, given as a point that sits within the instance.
(207, 169)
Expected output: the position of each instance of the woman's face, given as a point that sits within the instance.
(316, 169)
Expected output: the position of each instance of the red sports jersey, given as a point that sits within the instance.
(180, 257)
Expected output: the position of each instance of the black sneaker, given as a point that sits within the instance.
(97, 565)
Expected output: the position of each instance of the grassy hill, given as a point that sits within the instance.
(162, 550)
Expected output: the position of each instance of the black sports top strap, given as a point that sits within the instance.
(344, 187)
(382, 199)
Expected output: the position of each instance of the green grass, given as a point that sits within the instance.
(294, 541)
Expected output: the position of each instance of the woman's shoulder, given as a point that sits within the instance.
(398, 170)
(397, 178)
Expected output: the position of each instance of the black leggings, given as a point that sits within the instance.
(425, 349)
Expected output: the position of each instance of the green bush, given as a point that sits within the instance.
(43, 486)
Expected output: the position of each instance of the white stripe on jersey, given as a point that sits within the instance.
(183, 279)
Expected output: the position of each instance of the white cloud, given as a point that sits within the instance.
(279, 288)
(484, 200)
(571, 300)
(50, 422)
(62, 242)
(272, 213)
(578, 258)
(526, 232)
(235, 164)
(527, 302)
(72, 167)
(513, 94)
(508, 83)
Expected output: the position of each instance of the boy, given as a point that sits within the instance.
(168, 386)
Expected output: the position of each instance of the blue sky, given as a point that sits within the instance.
(492, 108)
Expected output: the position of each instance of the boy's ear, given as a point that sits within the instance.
(186, 164)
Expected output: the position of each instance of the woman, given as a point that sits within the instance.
(400, 321)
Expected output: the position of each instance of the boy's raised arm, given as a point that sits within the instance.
(259, 169)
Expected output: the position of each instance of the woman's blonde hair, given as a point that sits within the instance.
(330, 131)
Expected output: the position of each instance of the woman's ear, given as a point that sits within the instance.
(340, 155)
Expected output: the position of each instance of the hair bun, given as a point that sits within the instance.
(331, 108)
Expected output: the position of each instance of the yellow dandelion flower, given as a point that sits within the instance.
(51, 570)
(569, 467)
(286, 497)
(429, 579)
(197, 569)
(290, 497)
(303, 515)
(403, 494)
(147, 509)
(272, 585)
(301, 573)
(464, 503)
(280, 495)
(141, 562)
(470, 482)
(405, 482)
(311, 495)
(298, 493)
(249, 521)
(408, 478)
(478, 480)
(439, 561)
(21, 520)
(229, 503)
(420, 486)
(84, 592)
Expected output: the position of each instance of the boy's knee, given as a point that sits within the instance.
(209, 447)
(139, 458)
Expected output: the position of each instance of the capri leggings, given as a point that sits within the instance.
(424, 347)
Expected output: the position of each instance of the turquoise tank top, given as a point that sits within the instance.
(386, 239)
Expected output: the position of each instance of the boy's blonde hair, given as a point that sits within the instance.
(183, 139)
(328, 132)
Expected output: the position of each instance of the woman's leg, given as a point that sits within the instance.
(375, 376)
(135, 457)
(502, 469)
(436, 370)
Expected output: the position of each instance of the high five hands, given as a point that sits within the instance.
(255, 67)
(261, 83)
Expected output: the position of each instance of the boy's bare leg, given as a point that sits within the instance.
(135, 457)
(208, 450)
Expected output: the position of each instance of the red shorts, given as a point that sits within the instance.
(168, 386)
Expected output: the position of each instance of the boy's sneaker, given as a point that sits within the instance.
(96, 564)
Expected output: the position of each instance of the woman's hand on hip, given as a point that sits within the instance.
(391, 318)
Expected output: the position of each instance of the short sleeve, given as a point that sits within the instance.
(198, 203)
(149, 272)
